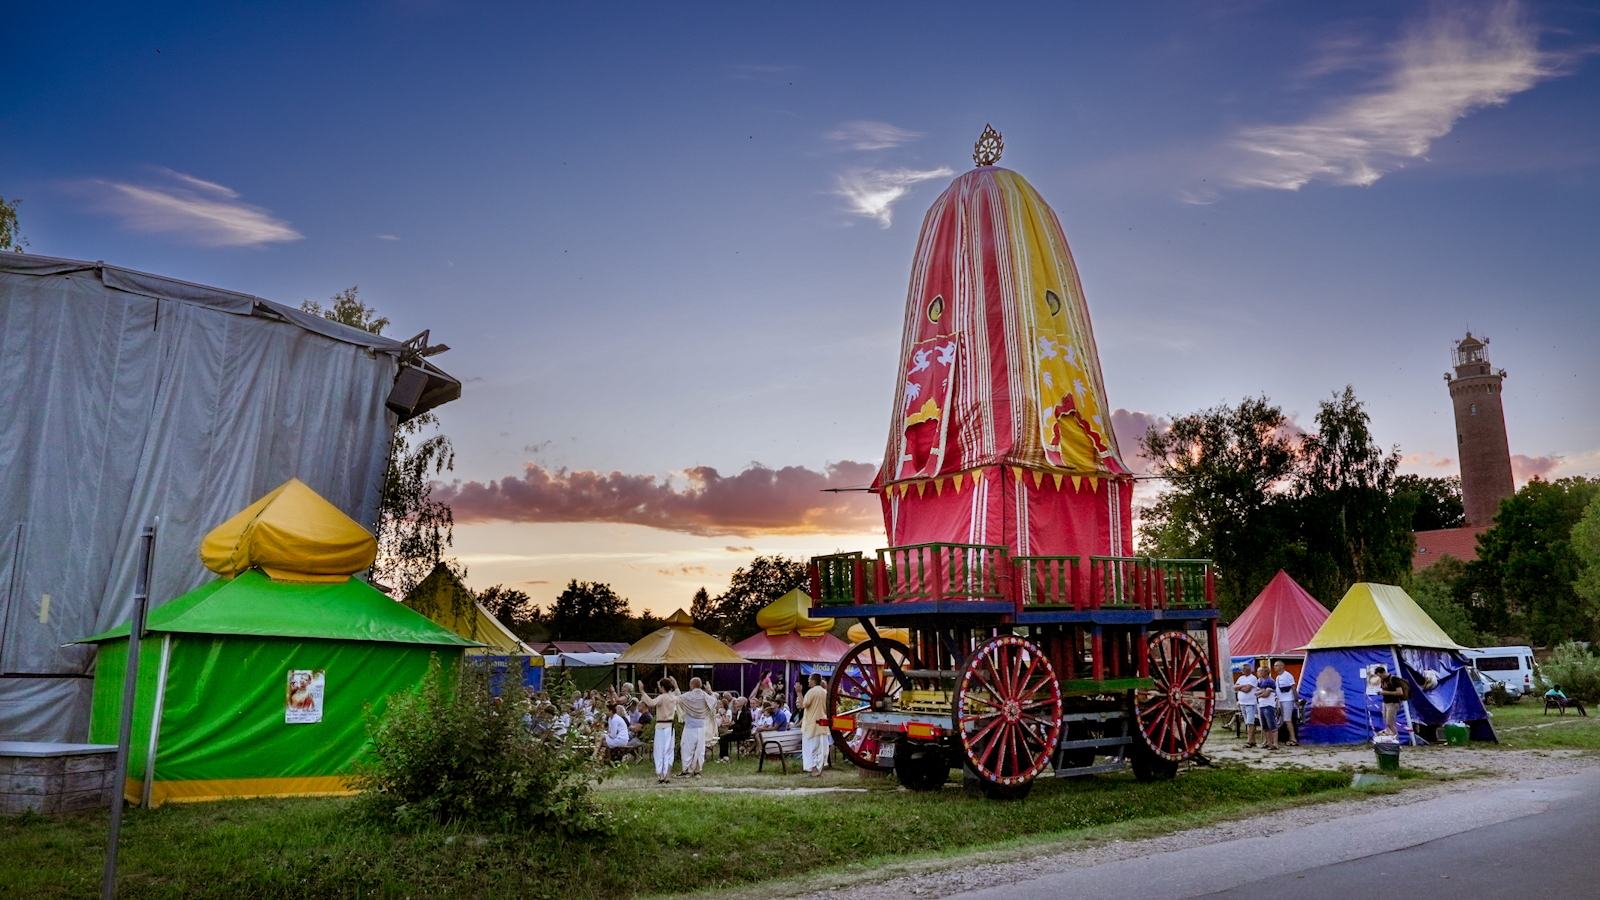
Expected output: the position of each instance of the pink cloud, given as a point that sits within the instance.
(1129, 428)
(758, 500)
(1526, 467)
(1427, 461)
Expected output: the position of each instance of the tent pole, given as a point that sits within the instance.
(130, 681)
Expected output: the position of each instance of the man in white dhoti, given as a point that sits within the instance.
(665, 706)
(814, 734)
(698, 709)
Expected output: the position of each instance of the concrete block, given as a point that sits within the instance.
(27, 784)
(90, 762)
(38, 765)
(83, 781)
(6, 762)
(15, 804)
(74, 800)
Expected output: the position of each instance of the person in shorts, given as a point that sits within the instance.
(1267, 706)
(1286, 685)
(1245, 690)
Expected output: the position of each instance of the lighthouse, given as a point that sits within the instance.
(1480, 431)
(1000, 432)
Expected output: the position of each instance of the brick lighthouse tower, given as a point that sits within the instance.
(1480, 431)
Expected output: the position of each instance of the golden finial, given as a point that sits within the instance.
(986, 151)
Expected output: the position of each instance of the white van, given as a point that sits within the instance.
(1511, 666)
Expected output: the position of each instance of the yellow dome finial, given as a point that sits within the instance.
(987, 149)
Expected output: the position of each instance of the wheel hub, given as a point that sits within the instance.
(1012, 711)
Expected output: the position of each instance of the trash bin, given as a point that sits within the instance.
(1388, 756)
(1455, 734)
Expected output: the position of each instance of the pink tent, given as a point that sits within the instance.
(1282, 618)
(792, 647)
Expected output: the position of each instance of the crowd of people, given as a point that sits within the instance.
(624, 719)
(1267, 702)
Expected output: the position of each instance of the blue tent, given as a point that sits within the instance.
(1379, 624)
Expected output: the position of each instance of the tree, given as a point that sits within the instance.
(766, 579)
(1226, 470)
(1353, 524)
(1438, 502)
(10, 236)
(704, 612)
(588, 611)
(1437, 589)
(514, 608)
(413, 528)
(1586, 546)
(1528, 567)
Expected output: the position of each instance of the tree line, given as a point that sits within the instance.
(1249, 491)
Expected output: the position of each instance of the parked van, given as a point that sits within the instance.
(1511, 666)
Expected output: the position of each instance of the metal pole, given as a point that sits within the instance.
(130, 680)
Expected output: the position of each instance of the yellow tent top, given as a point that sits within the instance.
(680, 643)
(444, 599)
(789, 613)
(858, 633)
(1372, 615)
(292, 534)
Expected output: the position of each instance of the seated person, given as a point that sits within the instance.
(742, 729)
(763, 718)
(1557, 697)
(617, 734)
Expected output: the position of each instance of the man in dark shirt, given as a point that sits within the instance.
(742, 730)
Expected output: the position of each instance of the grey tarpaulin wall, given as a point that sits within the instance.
(128, 396)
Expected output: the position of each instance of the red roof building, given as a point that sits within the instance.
(1432, 546)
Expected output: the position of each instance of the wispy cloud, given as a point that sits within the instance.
(759, 500)
(192, 209)
(1461, 59)
(863, 135)
(388, 237)
(873, 192)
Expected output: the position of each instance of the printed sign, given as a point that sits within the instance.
(302, 701)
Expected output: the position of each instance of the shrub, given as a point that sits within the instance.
(1575, 669)
(463, 755)
(1497, 695)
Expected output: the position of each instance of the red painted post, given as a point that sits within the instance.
(816, 581)
(938, 572)
(1097, 653)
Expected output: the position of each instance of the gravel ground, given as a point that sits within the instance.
(940, 878)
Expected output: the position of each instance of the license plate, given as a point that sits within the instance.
(886, 751)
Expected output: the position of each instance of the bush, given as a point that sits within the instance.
(466, 756)
(1497, 695)
(1575, 669)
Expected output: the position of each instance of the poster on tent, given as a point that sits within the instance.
(302, 702)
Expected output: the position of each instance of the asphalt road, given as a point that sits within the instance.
(1537, 839)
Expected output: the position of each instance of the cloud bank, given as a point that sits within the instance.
(759, 500)
(193, 209)
(1464, 58)
(872, 192)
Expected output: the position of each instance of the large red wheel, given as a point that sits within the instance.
(863, 681)
(1008, 711)
(1175, 716)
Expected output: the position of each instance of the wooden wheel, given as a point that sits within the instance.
(863, 681)
(1008, 711)
(1175, 716)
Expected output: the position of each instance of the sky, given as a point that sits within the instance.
(669, 244)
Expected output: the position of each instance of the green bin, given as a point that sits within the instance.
(1456, 735)
(1388, 757)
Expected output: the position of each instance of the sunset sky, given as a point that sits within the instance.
(669, 244)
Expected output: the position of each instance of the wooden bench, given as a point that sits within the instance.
(779, 744)
(1561, 705)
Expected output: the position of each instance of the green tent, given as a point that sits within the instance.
(251, 687)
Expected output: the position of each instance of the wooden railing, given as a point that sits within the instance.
(940, 571)
(944, 572)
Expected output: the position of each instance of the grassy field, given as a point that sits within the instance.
(1525, 726)
(733, 827)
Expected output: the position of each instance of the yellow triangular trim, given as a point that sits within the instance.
(1077, 482)
(957, 480)
(1058, 477)
(1016, 474)
(921, 486)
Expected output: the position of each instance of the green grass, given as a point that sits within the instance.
(1524, 726)
(683, 837)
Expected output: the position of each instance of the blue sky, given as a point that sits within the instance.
(669, 239)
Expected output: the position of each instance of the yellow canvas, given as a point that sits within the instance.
(791, 613)
(1373, 615)
(292, 534)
